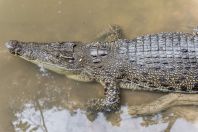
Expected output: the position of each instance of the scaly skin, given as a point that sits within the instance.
(165, 62)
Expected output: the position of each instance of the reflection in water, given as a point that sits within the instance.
(61, 120)
(40, 100)
(58, 119)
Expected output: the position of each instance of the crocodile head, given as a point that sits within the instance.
(61, 57)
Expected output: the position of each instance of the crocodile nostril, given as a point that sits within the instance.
(14, 47)
(8, 45)
(11, 45)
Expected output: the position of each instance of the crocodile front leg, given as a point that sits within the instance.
(112, 33)
(111, 101)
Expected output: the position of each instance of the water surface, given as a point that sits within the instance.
(35, 99)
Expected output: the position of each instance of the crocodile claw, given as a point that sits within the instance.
(101, 105)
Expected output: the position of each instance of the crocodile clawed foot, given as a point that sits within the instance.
(111, 101)
(101, 105)
(111, 33)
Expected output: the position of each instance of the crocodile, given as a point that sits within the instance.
(164, 62)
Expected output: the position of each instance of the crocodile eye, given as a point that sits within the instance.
(65, 57)
(71, 60)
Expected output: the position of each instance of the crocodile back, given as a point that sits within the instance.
(164, 61)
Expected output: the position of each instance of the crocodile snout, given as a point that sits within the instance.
(14, 47)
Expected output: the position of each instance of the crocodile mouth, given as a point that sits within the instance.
(51, 66)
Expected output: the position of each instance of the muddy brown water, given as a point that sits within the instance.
(33, 99)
